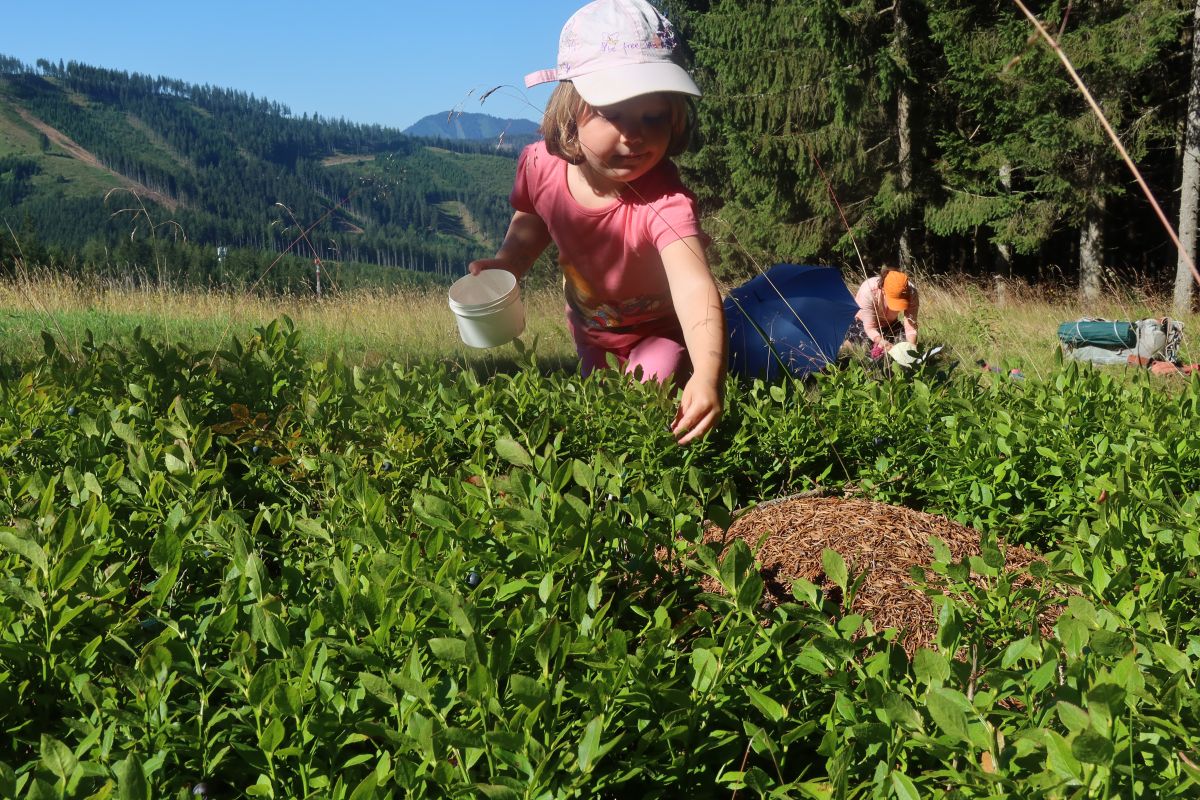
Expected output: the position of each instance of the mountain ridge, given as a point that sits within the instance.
(460, 125)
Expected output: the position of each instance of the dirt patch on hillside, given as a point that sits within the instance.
(342, 158)
(884, 541)
(75, 151)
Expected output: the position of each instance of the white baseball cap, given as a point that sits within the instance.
(613, 50)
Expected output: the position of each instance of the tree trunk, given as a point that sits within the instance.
(1091, 253)
(1189, 186)
(904, 133)
(1002, 267)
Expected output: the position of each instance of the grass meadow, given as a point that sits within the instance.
(1010, 323)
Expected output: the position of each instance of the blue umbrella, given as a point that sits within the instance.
(793, 317)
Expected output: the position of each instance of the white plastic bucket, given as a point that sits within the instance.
(488, 308)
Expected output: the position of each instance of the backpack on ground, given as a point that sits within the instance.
(1105, 341)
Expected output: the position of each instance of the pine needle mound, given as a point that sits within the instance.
(884, 540)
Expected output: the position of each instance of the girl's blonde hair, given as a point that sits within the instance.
(560, 128)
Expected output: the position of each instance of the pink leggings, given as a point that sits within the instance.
(660, 353)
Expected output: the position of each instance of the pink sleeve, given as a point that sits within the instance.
(910, 316)
(866, 310)
(673, 217)
(520, 198)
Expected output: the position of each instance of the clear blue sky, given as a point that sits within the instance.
(389, 62)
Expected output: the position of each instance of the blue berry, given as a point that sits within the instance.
(473, 580)
(71, 411)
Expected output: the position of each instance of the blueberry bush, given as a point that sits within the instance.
(241, 573)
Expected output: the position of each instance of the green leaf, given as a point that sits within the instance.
(58, 758)
(271, 737)
(583, 474)
(1059, 757)
(1091, 747)
(590, 744)
(511, 451)
(835, 567)
(72, 565)
(448, 649)
(1109, 644)
(288, 700)
(366, 788)
(706, 667)
(28, 550)
(261, 788)
(1020, 649)
(946, 709)
(131, 780)
(526, 690)
(941, 552)
(378, 687)
(1074, 635)
(166, 552)
(591, 750)
(1171, 658)
(903, 786)
(771, 709)
(1072, 716)
(1109, 695)
(901, 712)
(174, 464)
(1082, 609)
(931, 666)
(262, 686)
(125, 433)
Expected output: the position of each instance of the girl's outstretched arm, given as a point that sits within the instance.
(702, 316)
(525, 240)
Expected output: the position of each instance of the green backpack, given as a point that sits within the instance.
(1106, 333)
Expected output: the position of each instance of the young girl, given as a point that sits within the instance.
(602, 187)
(881, 301)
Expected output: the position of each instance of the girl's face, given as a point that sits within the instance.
(624, 141)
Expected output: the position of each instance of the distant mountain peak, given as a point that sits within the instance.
(466, 125)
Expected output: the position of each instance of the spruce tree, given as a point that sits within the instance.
(797, 158)
(1023, 158)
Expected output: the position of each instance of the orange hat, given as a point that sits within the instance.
(895, 291)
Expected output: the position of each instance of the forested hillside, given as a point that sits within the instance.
(105, 170)
(944, 135)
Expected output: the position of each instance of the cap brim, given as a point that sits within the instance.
(615, 84)
(896, 305)
(541, 76)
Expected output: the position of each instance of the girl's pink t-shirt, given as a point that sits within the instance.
(613, 274)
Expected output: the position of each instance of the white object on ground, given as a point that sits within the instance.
(903, 353)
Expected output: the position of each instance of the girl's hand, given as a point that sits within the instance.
(699, 410)
(479, 265)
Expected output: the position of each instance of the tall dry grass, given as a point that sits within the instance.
(1011, 322)
(1003, 323)
(369, 327)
